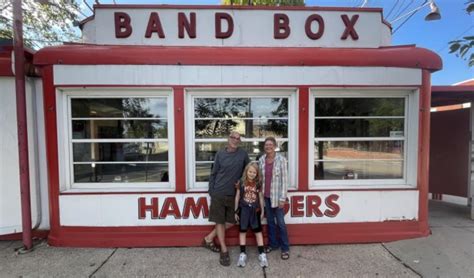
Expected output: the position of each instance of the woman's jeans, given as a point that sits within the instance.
(279, 215)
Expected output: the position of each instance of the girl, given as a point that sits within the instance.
(249, 211)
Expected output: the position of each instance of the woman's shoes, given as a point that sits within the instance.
(285, 255)
(267, 249)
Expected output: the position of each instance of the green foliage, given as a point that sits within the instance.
(264, 2)
(44, 22)
(463, 47)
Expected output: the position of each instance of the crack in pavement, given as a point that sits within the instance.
(8, 246)
(103, 263)
(402, 262)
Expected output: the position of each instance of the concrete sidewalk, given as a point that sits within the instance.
(448, 252)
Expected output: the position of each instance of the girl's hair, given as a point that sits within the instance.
(258, 178)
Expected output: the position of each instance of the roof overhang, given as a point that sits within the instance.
(450, 95)
(6, 61)
(81, 54)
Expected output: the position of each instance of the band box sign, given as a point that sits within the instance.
(281, 26)
(201, 26)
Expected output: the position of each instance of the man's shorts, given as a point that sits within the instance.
(222, 209)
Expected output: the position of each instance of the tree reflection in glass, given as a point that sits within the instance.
(343, 131)
(122, 119)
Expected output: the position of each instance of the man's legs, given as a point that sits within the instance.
(220, 230)
(210, 237)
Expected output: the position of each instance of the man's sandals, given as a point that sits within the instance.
(224, 259)
(210, 245)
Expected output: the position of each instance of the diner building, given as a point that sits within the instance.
(126, 124)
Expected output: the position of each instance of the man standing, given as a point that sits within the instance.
(229, 164)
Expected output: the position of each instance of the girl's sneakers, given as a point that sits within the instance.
(263, 260)
(242, 260)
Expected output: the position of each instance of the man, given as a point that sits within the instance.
(229, 164)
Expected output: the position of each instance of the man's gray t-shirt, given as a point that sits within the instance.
(227, 170)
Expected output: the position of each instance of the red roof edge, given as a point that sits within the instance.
(450, 95)
(452, 88)
(403, 57)
(6, 61)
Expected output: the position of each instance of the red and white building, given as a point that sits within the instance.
(125, 125)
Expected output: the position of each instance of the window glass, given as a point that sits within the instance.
(113, 129)
(359, 138)
(255, 128)
(255, 118)
(109, 152)
(240, 107)
(361, 170)
(119, 140)
(349, 107)
(358, 127)
(118, 107)
(120, 173)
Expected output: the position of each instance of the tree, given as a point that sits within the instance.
(463, 46)
(45, 22)
(264, 2)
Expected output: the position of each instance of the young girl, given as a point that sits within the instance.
(249, 211)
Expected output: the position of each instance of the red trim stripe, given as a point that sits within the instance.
(192, 235)
(179, 131)
(43, 234)
(49, 97)
(404, 57)
(303, 116)
(424, 150)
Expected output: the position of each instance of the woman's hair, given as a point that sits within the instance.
(258, 178)
(271, 139)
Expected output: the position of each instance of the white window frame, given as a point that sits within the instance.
(192, 93)
(411, 96)
(64, 133)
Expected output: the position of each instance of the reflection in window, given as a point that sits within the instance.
(359, 138)
(254, 118)
(119, 140)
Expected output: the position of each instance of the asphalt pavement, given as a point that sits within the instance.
(448, 252)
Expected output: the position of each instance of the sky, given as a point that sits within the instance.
(455, 23)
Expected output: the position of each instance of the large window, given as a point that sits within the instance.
(255, 115)
(118, 140)
(362, 138)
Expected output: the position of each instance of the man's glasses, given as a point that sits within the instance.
(234, 138)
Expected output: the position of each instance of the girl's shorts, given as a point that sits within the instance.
(245, 224)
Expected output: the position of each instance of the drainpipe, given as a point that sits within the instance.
(21, 123)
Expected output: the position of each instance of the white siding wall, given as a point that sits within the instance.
(10, 205)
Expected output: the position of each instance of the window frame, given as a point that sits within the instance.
(192, 93)
(410, 156)
(65, 144)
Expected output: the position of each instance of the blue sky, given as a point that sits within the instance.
(434, 35)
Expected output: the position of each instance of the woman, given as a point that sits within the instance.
(274, 168)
